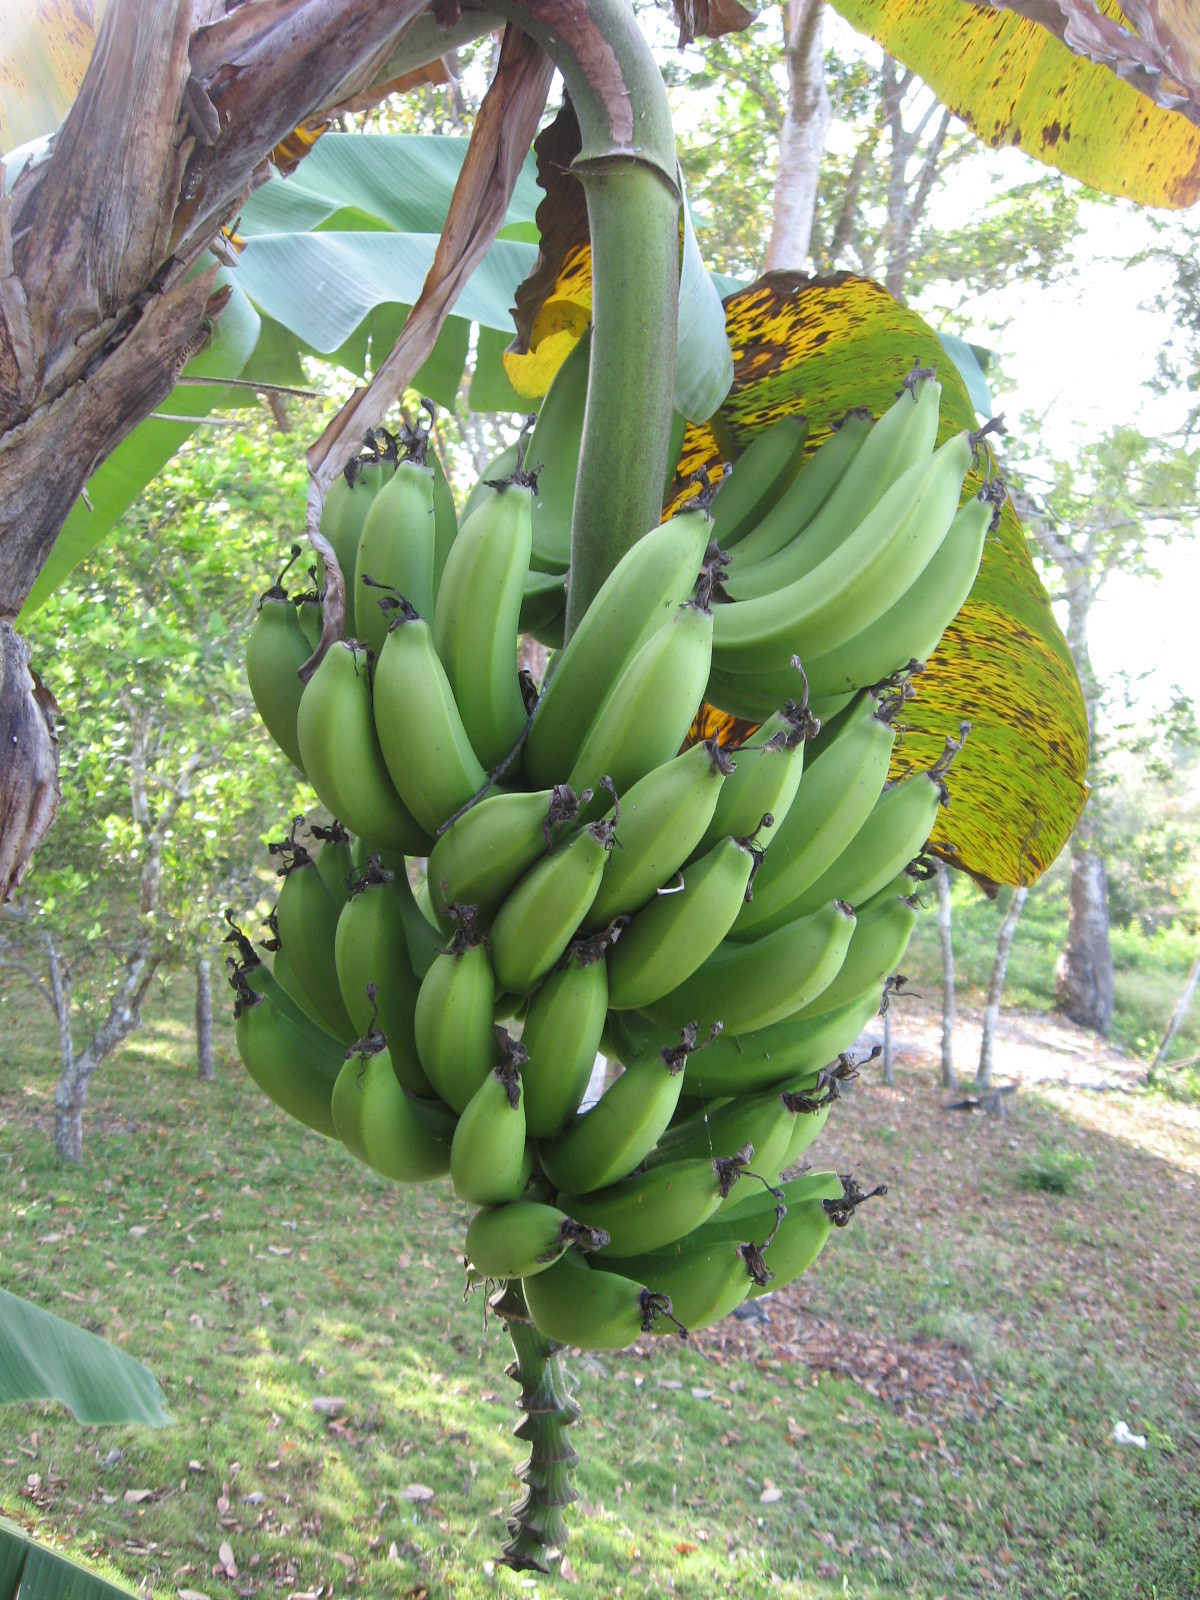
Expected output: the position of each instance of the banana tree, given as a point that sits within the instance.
(105, 296)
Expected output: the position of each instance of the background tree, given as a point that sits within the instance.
(1109, 511)
(169, 779)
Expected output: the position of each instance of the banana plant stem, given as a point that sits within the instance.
(537, 1523)
(634, 220)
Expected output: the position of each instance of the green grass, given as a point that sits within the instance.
(1052, 1170)
(256, 1268)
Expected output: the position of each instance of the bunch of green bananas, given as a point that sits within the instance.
(520, 880)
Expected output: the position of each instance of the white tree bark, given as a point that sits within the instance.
(204, 1018)
(949, 1081)
(1177, 1016)
(801, 139)
(991, 1014)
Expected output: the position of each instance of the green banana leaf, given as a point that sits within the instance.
(143, 453)
(44, 1358)
(352, 233)
(32, 1571)
(818, 347)
(1014, 83)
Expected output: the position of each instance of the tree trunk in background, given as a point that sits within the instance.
(801, 139)
(1084, 981)
(949, 1081)
(889, 1064)
(1177, 1016)
(204, 1019)
(991, 1013)
(124, 1017)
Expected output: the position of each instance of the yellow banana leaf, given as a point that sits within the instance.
(45, 46)
(819, 347)
(1015, 83)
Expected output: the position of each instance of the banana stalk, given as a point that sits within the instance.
(537, 1524)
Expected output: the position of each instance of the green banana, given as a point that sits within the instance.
(275, 652)
(812, 1206)
(391, 1131)
(561, 1034)
(350, 498)
(477, 616)
(396, 551)
(335, 861)
(307, 916)
(703, 1280)
(750, 985)
(647, 713)
(445, 521)
(425, 746)
(452, 1020)
(502, 465)
(487, 1155)
(287, 1062)
(766, 1122)
(744, 1063)
(843, 777)
(663, 819)
(482, 854)
(636, 600)
(894, 834)
(553, 454)
(544, 607)
(542, 914)
(373, 965)
(902, 439)
(423, 934)
(821, 473)
(880, 939)
(909, 630)
(523, 1238)
(249, 970)
(767, 772)
(654, 1208)
(761, 475)
(667, 940)
(575, 1304)
(342, 756)
(857, 582)
(608, 1141)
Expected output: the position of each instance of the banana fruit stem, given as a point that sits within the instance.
(634, 220)
(537, 1523)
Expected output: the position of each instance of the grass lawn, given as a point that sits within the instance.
(929, 1413)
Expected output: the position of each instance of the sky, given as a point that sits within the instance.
(1080, 354)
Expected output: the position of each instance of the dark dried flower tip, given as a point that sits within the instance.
(589, 948)
(675, 1056)
(721, 761)
(290, 851)
(913, 380)
(372, 874)
(235, 936)
(730, 1168)
(751, 1254)
(654, 1305)
(840, 1211)
(277, 590)
(508, 1073)
(467, 932)
(604, 831)
(563, 808)
(577, 1236)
